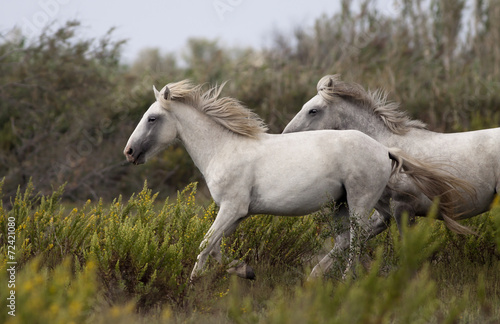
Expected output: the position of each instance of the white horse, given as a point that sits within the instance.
(251, 172)
(471, 156)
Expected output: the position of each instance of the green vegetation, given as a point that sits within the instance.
(135, 251)
(130, 262)
(68, 105)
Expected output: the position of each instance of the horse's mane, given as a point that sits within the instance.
(227, 112)
(330, 87)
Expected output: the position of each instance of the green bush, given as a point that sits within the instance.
(277, 241)
(131, 261)
(42, 295)
(144, 251)
(416, 288)
(146, 254)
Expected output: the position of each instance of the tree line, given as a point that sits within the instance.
(68, 104)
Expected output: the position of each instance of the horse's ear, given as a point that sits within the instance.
(350, 90)
(166, 94)
(328, 81)
(157, 93)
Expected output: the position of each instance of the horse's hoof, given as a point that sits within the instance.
(243, 271)
(192, 281)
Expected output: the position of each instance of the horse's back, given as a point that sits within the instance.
(420, 142)
(315, 166)
(472, 156)
(479, 150)
(331, 147)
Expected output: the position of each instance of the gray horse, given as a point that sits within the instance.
(471, 156)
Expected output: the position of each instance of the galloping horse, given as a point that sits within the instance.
(471, 156)
(251, 172)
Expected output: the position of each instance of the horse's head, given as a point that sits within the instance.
(155, 131)
(347, 105)
(318, 113)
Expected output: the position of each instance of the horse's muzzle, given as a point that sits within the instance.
(134, 156)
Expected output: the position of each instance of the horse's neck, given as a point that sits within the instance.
(202, 137)
(366, 122)
(374, 126)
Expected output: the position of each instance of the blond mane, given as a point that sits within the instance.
(227, 112)
(331, 86)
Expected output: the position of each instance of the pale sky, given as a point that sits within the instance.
(167, 24)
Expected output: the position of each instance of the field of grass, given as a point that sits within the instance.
(129, 262)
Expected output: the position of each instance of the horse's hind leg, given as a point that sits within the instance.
(401, 203)
(378, 223)
(399, 212)
(341, 244)
(361, 202)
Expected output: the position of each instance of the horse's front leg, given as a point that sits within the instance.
(225, 223)
(237, 267)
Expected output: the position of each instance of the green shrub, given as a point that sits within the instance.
(131, 261)
(405, 295)
(145, 251)
(276, 241)
(50, 296)
(146, 254)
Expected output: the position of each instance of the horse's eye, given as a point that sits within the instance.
(151, 119)
(313, 111)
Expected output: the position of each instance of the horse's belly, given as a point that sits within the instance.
(295, 199)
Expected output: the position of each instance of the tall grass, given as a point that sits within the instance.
(140, 250)
(130, 262)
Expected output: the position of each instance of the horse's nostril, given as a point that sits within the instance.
(130, 151)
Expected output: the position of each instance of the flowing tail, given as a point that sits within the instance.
(434, 182)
